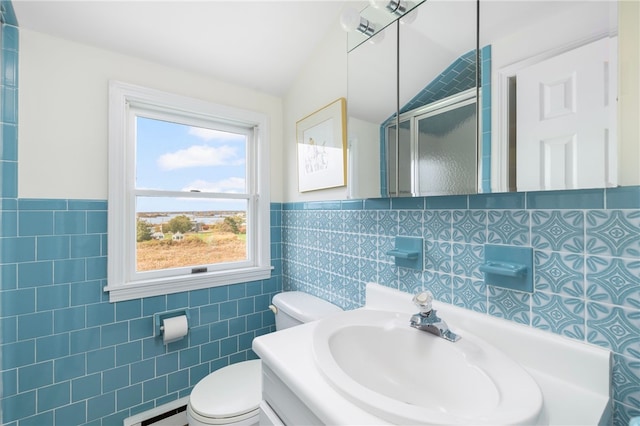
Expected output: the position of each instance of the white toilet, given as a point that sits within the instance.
(232, 395)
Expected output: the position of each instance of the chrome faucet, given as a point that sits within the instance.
(427, 319)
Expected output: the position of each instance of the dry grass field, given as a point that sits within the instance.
(195, 249)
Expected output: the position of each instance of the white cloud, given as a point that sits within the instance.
(229, 185)
(199, 156)
(209, 134)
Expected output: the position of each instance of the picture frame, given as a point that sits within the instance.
(321, 148)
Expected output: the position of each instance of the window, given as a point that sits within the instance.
(188, 194)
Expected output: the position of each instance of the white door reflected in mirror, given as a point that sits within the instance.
(565, 134)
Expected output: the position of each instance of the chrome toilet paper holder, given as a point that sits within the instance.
(159, 317)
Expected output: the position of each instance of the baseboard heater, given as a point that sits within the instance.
(157, 416)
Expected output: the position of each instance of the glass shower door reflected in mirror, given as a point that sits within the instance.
(446, 150)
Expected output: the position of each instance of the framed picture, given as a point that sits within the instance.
(322, 153)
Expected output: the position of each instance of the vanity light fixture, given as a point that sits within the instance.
(350, 20)
(397, 7)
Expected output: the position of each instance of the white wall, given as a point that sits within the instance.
(62, 145)
(364, 158)
(550, 33)
(322, 81)
(629, 93)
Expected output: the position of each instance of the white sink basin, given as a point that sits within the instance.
(403, 375)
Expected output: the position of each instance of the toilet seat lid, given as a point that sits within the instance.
(229, 392)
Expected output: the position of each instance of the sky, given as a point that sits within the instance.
(178, 157)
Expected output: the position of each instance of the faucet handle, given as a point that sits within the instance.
(423, 301)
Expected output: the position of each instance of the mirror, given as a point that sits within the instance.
(372, 100)
(553, 98)
(516, 40)
(437, 100)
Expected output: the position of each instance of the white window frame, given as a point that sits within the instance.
(123, 282)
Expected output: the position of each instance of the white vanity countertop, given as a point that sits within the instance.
(289, 354)
(573, 376)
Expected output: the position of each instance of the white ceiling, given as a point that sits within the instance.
(255, 44)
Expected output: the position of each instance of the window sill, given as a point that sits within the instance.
(158, 287)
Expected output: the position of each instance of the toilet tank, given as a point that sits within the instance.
(295, 307)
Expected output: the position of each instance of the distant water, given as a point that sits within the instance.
(207, 220)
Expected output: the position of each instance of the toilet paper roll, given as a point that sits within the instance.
(174, 328)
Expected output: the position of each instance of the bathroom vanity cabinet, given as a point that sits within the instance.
(296, 391)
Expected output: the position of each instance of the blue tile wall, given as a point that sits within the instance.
(586, 261)
(71, 357)
(459, 76)
(8, 105)
(68, 356)
(485, 117)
